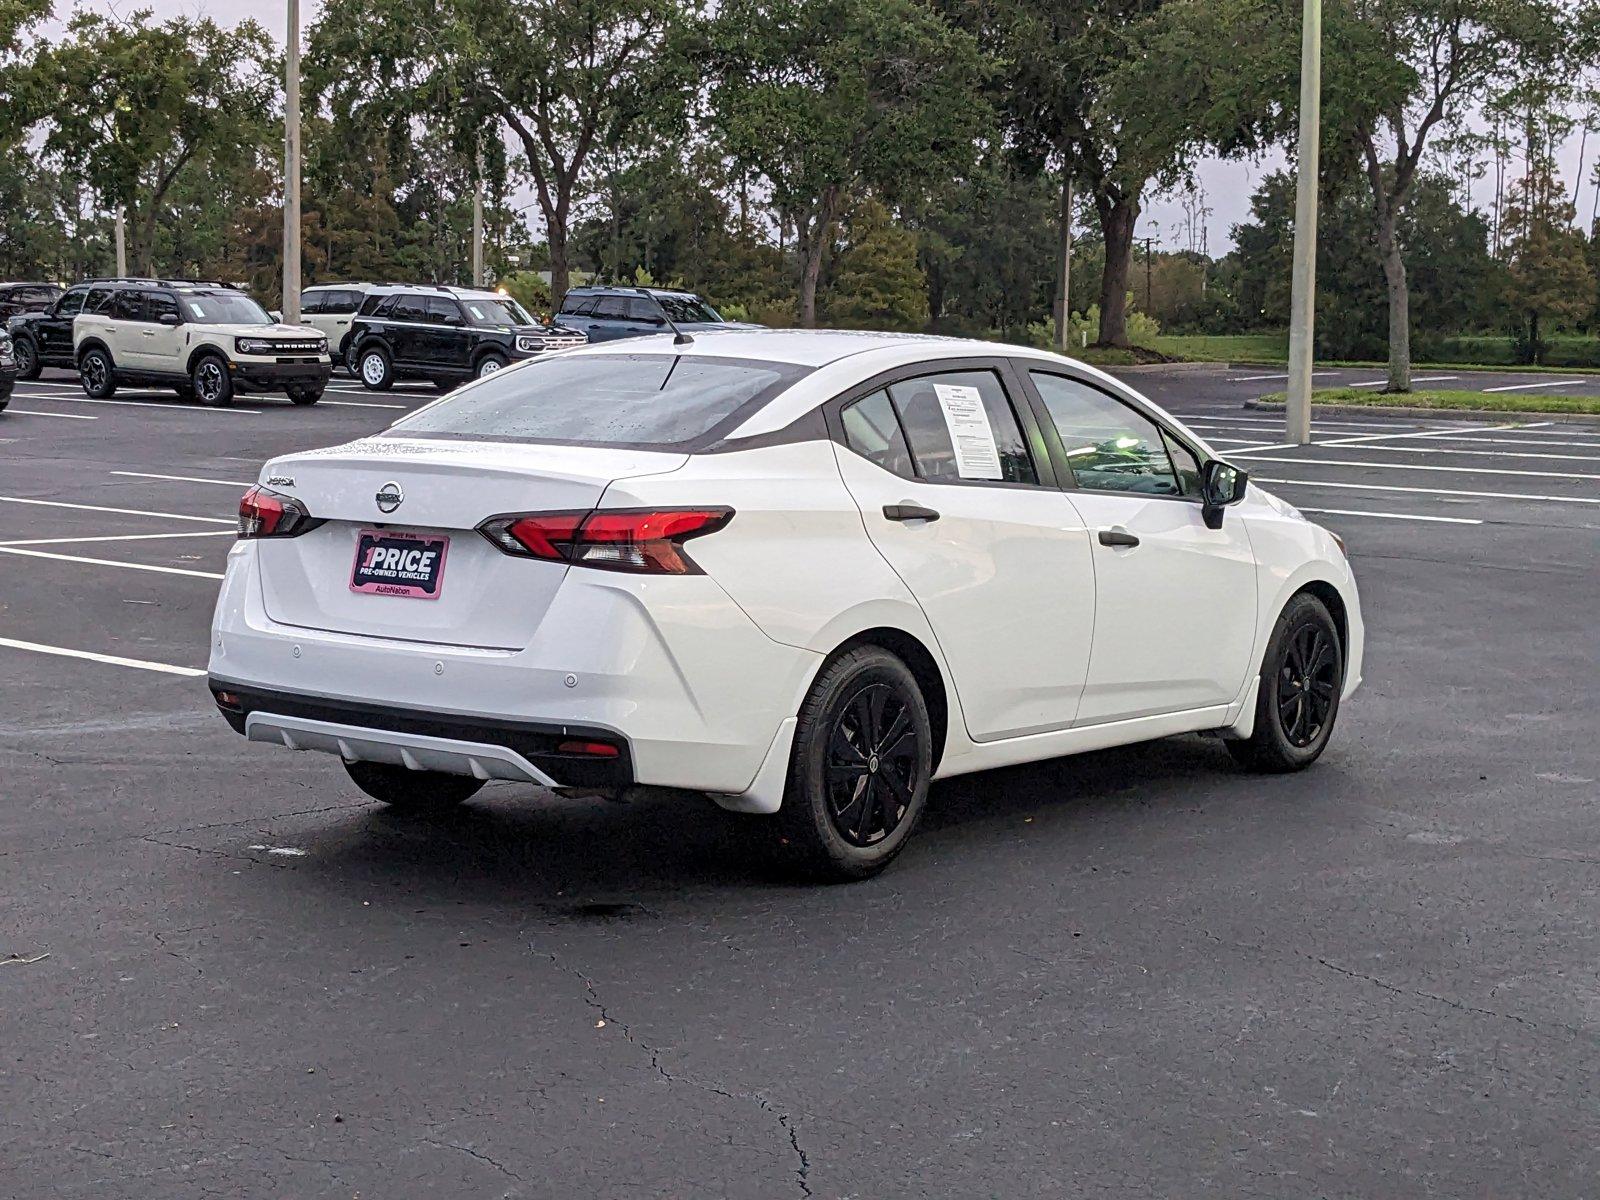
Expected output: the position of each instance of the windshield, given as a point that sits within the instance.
(501, 311)
(224, 308)
(605, 400)
(684, 309)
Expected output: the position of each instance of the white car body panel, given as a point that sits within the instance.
(1043, 641)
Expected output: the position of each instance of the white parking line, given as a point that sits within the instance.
(1259, 378)
(355, 404)
(111, 659)
(1513, 441)
(185, 478)
(174, 406)
(1277, 422)
(1391, 487)
(29, 412)
(1415, 379)
(1389, 466)
(1388, 516)
(111, 562)
(120, 537)
(1369, 447)
(129, 512)
(1522, 387)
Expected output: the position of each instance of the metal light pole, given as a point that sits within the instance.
(122, 244)
(291, 169)
(1303, 293)
(1064, 301)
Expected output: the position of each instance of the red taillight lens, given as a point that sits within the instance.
(265, 513)
(590, 749)
(648, 541)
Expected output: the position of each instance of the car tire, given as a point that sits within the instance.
(211, 383)
(97, 374)
(375, 370)
(488, 365)
(305, 394)
(1297, 703)
(411, 791)
(859, 769)
(28, 364)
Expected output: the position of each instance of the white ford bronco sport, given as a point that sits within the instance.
(206, 341)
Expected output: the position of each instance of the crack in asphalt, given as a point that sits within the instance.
(477, 1154)
(786, 1122)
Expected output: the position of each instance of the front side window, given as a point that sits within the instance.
(501, 311)
(961, 428)
(98, 299)
(223, 308)
(1110, 447)
(377, 304)
(873, 431)
(654, 400)
(578, 306)
(71, 304)
(644, 311)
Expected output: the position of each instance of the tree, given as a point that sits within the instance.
(19, 97)
(1549, 281)
(1121, 95)
(875, 282)
(136, 104)
(1401, 67)
(827, 99)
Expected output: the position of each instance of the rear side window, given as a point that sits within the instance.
(873, 431)
(961, 428)
(341, 302)
(128, 306)
(409, 308)
(1110, 446)
(634, 400)
(442, 311)
(614, 307)
(313, 302)
(158, 304)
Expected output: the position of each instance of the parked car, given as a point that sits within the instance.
(608, 313)
(330, 308)
(804, 572)
(206, 341)
(445, 334)
(44, 338)
(16, 298)
(8, 368)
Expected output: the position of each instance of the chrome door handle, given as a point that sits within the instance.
(1117, 537)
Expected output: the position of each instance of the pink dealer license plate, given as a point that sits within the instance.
(399, 564)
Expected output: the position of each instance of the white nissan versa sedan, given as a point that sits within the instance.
(803, 572)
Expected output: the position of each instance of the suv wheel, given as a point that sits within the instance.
(28, 364)
(488, 365)
(375, 370)
(213, 386)
(96, 374)
(305, 393)
(858, 776)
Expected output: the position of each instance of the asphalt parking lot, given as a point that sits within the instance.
(1137, 973)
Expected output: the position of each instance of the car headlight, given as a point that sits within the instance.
(322, 345)
(252, 346)
(528, 344)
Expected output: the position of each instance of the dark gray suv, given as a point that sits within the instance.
(607, 313)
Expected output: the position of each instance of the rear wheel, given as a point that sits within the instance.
(858, 776)
(412, 791)
(305, 393)
(28, 364)
(375, 370)
(96, 374)
(1298, 701)
(212, 384)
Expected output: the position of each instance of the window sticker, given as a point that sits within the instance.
(977, 455)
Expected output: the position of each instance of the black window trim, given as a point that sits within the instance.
(1010, 385)
(1058, 452)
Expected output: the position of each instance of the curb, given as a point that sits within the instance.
(1437, 414)
(1182, 368)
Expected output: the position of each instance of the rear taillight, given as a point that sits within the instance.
(646, 540)
(265, 513)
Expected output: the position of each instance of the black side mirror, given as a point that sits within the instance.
(1221, 484)
(168, 318)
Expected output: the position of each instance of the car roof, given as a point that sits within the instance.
(617, 289)
(435, 289)
(16, 283)
(802, 347)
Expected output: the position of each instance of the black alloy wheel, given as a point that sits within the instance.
(1307, 682)
(872, 765)
(95, 373)
(1297, 701)
(28, 365)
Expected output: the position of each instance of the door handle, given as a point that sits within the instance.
(1117, 537)
(907, 511)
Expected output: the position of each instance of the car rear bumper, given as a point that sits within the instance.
(274, 376)
(670, 671)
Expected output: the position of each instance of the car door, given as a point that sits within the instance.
(404, 329)
(956, 493)
(55, 328)
(163, 334)
(124, 330)
(1175, 612)
(338, 310)
(610, 319)
(444, 340)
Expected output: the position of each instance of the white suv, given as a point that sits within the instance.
(206, 341)
(329, 308)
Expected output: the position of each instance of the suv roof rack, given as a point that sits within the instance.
(152, 282)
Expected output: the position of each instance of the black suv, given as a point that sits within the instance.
(446, 334)
(607, 313)
(18, 298)
(44, 338)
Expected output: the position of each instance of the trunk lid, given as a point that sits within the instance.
(482, 597)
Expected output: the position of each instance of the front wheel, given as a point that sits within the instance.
(305, 393)
(859, 772)
(211, 383)
(412, 791)
(28, 364)
(1298, 700)
(97, 375)
(488, 365)
(377, 375)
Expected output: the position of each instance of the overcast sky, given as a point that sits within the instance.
(1227, 186)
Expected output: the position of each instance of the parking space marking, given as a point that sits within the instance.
(1522, 387)
(111, 562)
(110, 659)
(1394, 487)
(1388, 516)
(357, 404)
(1371, 447)
(184, 478)
(119, 537)
(1390, 466)
(29, 412)
(127, 512)
(1281, 375)
(1417, 379)
(173, 406)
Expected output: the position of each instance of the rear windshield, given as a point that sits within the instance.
(634, 400)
